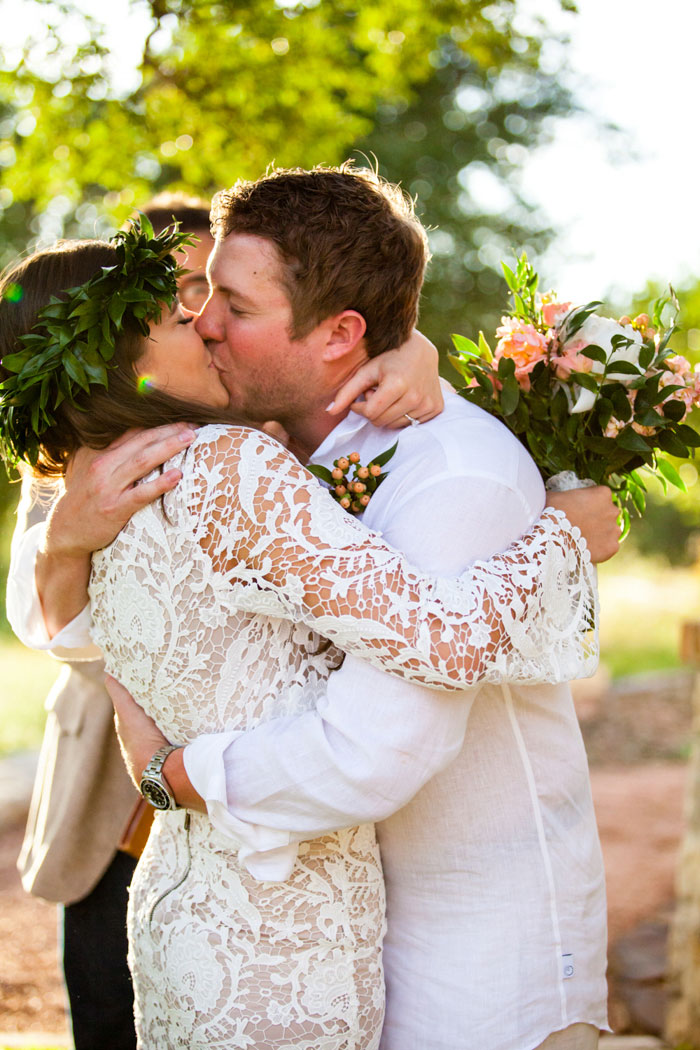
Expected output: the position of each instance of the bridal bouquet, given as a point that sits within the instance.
(588, 396)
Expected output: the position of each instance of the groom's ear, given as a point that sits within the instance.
(345, 331)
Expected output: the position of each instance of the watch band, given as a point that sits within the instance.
(153, 785)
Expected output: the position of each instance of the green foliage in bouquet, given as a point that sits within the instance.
(604, 399)
(73, 342)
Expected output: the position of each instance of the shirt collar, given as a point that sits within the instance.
(350, 431)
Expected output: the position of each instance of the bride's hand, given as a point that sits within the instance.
(396, 384)
(593, 512)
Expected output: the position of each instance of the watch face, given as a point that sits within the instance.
(155, 793)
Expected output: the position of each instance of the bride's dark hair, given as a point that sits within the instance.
(97, 418)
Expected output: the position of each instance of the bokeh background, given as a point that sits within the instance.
(563, 130)
(516, 124)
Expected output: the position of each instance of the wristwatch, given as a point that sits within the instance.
(153, 786)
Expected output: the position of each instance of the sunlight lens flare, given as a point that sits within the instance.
(13, 293)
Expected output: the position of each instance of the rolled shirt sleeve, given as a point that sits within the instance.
(24, 611)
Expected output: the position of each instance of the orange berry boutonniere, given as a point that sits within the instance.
(351, 484)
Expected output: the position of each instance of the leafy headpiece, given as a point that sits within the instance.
(72, 343)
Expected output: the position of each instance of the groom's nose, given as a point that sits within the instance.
(210, 323)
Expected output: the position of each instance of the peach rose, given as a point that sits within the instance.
(523, 344)
(554, 313)
(571, 360)
(613, 428)
(679, 365)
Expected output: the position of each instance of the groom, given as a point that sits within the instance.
(495, 892)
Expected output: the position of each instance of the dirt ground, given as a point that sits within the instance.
(31, 993)
(637, 742)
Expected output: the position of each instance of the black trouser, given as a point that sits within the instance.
(94, 963)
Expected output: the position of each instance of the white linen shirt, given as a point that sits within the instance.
(495, 886)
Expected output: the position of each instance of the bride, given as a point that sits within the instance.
(209, 606)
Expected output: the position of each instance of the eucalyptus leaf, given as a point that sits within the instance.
(506, 367)
(668, 471)
(623, 367)
(631, 440)
(465, 346)
(510, 395)
(674, 410)
(670, 443)
(595, 353)
(688, 435)
(383, 458)
(321, 472)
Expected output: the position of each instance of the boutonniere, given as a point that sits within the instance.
(351, 484)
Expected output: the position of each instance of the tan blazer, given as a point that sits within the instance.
(82, 795)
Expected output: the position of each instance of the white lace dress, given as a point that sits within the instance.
(212, 607)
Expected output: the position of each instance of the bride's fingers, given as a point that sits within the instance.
(381, 404)
(409, 407)
(358, 384)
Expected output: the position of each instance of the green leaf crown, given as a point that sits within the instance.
(71, 346)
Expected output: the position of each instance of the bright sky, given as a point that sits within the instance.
(626, 207)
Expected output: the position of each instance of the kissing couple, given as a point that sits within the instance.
(298, 673)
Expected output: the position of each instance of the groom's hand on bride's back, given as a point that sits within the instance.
(102, 490)
(593, 512)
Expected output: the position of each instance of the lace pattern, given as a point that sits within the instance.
(211, 607)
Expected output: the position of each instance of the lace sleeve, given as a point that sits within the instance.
(285, 548)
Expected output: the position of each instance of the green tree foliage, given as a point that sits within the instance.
(220, 90)
(440, 91)
(464, 135)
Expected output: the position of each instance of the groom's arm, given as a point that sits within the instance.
(373, 740)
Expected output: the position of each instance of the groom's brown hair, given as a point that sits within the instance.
(347, 240)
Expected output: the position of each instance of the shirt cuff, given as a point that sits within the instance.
(267, 853)
(24, 608)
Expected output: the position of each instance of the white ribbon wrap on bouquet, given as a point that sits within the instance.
(566, 480)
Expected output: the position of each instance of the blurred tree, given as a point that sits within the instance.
(222, 88)
(9, 494)
(670, 528)
(447, 94)
(457, 149)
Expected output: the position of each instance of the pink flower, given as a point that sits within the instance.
(523, 344)
(613, 428)
(667, 379)
(679, 365)
(690, 395)
(571, 360)
(554, 313)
